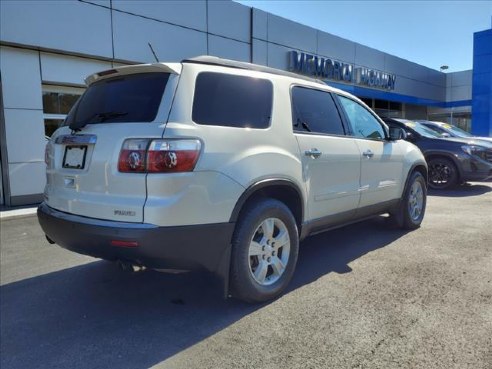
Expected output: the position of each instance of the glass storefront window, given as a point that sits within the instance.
(461, 120)
(57, 102)
(385, 108)
(51, 125)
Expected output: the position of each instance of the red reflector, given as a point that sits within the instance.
(120, 243)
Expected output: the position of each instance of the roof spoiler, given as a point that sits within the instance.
(172, 68)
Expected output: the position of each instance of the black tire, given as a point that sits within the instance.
(243, 283)
(411, 210)
(443, 174)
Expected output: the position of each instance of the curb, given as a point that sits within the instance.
(17, 213)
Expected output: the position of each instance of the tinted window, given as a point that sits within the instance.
(132, 98)
(362, 122)
(233, 101)
(315, 111)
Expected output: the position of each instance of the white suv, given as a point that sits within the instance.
(221, 166)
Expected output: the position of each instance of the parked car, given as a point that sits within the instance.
(451, 160)
(448, 130)
(223, 166)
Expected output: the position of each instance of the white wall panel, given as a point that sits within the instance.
(369, 57)
(69, 69)
(336, 47)
(404, 68)
(260, 24)
(436, 78)
(260, 52)
(463, 78)
(188, 13)
(278, 56)
(229, 19)
(25, 135)
(461, 93)
(229, 49)
(27, 178)
(291, 34)
(68, 25)
(21, 78)
(132, 35)
(106, 3)
(448, 94)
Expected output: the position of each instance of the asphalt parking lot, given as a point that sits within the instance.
(364, 296)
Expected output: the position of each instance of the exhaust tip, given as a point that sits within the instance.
(129, 267)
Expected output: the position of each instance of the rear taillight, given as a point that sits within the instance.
(159, 156)
(132, 155)
(47, 153)
(172, 155)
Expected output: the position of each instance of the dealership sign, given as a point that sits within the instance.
(326, 68)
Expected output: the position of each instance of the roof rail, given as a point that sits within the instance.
(213, 60)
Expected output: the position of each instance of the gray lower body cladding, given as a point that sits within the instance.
(193, 247)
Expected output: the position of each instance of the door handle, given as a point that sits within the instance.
(368, 154)
(313, 153)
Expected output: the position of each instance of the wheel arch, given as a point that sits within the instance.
(420, 167)
(280, 189)
(435, 154)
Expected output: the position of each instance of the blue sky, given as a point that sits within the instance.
(430, 33)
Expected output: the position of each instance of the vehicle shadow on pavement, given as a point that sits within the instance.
(464, 190)
(94, 315)
(332, 251)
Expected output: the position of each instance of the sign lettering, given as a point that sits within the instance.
(326, 68)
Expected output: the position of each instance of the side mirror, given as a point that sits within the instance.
(397, 133)
(445, 135)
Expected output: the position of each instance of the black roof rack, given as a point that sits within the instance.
(213, 60)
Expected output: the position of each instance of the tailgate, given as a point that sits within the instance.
(83, 176)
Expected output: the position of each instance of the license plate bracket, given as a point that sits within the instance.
(74, 157)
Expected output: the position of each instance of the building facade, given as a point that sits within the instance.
(49, 47)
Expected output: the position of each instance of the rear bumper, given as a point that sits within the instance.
(193, 247)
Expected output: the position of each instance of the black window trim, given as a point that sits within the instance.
(345, 128)
(234, 74)
(347, 121)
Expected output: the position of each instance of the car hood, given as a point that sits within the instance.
(467, 141)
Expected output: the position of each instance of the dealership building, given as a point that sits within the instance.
(49, 47)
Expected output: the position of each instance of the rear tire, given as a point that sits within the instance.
(265, 247)
(442, 173)
(411, 210)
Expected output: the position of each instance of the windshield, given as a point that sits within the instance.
(127, 98)
(455, 131)
(421, 129)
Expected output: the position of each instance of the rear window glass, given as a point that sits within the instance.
(131, 98)
(232, 101)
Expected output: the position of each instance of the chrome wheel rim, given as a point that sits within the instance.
(440, 174)
(269, 251)
(416, 201)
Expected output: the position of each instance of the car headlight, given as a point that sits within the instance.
(474, 150)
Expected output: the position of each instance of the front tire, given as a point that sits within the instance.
(411, 210)
(442, 173)
(265, 247)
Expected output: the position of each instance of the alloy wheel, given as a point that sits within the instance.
(269, 251)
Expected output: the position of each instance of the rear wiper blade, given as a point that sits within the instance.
(102, 117)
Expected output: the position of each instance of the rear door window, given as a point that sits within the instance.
(128, 98)
(315, 111)
(233, 101)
